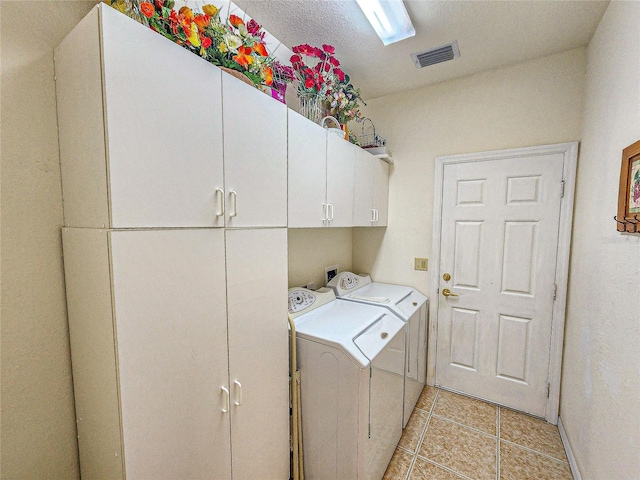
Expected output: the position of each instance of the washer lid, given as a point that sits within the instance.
(401, 299)
(338, 324)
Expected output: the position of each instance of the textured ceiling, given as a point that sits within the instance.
(489, 33)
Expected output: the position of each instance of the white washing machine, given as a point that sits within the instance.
(351, 359)
(408, 304)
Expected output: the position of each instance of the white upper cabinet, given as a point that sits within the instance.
(371, 197)
(140, 127)
(255, 156)
(141, 134)
(307, 172)
(321, 176)
(341, 159)
(381, 191)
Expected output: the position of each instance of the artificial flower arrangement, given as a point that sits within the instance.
(344, 101)
(320, 78)
(231, 44)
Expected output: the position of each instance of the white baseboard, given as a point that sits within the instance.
(567, 448)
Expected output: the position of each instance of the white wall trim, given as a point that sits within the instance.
(570, 159)
(567, 448)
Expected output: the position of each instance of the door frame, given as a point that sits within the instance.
(569, 153)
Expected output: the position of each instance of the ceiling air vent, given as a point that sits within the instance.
(436, 55)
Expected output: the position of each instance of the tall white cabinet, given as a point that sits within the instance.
(177, 324)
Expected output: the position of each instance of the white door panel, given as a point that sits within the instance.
(498, 242)
(258, 352)
(255, 156)
(165, 155)
(171, 329)
(341, 159)
(307, 172)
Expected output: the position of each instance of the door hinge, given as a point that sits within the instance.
(548, 388)
(562, 189)
(555, 291)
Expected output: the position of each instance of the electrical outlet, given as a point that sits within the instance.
(421, 264)
(329, 273)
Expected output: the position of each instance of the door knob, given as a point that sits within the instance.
(447, 293)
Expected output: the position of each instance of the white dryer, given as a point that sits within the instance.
(408, 304)
(351, 359)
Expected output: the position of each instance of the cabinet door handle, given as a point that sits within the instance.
(325, 213)
(225, 390)
(377, 214)
(238, 385)
(220, 197)
(331, 214)
(233, 194)
(373, 214)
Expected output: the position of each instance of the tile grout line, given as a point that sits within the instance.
(546, 455)
(498, 444)
(424, 432)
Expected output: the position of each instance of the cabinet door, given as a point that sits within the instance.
(163, 114)
(381, 191)
(255, 156)
(363, 212)
(340, 180)
(307, 172)
(171, 330)
(258, 352)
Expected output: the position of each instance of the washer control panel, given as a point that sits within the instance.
(302, 300)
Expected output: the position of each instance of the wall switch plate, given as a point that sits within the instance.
(329, 273)
(421, 264)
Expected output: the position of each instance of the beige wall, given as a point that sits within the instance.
(534, 103)
(313, 249)
(600, 394)
(38, 424)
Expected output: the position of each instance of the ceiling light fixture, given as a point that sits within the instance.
(389, 18)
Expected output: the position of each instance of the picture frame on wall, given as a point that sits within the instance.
(629, 193)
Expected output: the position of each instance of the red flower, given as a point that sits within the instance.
(159, 4)
(206, 41)
(339, 73)
(235, 21)
(334, 61)
(253, 28)
(147, 9)
(295, 59)
(329, 49)
(260, 49)
(308, 82)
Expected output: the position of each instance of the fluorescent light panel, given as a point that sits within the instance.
(389, 18)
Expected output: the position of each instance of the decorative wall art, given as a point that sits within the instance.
(628, 216)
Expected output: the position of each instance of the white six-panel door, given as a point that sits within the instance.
(498, 243)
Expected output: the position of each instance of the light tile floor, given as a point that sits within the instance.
(453, 437)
